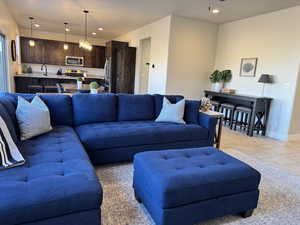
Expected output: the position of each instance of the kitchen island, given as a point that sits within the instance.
(37, 82)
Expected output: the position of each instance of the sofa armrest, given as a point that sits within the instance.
(209, 122)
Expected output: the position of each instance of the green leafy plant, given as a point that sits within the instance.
(216, 76)
(79, 79)
(94, 85)
(226, 76)
(221, 76)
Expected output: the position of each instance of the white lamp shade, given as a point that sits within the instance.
(31, 43)
(66, 46)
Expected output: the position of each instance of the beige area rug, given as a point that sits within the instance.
(279, 202)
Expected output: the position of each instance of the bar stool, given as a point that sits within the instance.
(215, 105)
(228, 110)
(60, 88)
(35, 89)
(242, 118)
(50, 89)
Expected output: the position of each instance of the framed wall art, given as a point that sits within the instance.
(248, 67)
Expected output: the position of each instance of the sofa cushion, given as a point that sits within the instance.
(172, 112)
(158, 101)
(60, 107)
(94, 108)
(10, 154)
(191, 107)
(179, 177)
(33, 117)
(10, 121)
(135, 107)
(57, 179)
(107, 135)
(191, 111)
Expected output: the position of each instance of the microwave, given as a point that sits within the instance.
(74, 61)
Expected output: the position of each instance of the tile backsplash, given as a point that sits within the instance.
(36, 68)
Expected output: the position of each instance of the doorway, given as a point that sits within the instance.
(145, 65)
(3, 65)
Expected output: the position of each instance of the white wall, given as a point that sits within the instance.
(275, 39)
(10, 29)
(191, 56)
(295, 121)
(159, 32)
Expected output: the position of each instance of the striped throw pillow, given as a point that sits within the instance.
(10, 155)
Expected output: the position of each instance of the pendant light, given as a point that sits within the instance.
(31, 42)
(66, 46)
(84, 43)
(211, 7)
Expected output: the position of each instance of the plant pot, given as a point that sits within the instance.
(217, 87)
(79, 84)
(94, 91)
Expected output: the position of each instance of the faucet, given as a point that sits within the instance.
(45, 73)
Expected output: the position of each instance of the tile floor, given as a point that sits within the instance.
(283, 155)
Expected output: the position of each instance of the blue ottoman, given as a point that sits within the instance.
(193, 185)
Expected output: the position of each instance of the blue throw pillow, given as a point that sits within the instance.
(33, 118)
(172, 112)
(10, 155)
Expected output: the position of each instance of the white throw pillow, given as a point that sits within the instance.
(172, 112)
(33, 118)
(10, 155)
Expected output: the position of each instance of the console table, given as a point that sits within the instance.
(260, 108)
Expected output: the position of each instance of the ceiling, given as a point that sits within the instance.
(120, 16)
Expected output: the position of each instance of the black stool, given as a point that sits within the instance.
(60, 88)
(242, 118)
(50, 89)
(35, 89)
(215, 105)
(228, 111)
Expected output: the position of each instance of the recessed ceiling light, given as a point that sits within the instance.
(94, 33)
(100, 28)
(215, 11)
(67, 29)
(37, 25)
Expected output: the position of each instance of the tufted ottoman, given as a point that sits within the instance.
(184, 187)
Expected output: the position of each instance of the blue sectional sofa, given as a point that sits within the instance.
(58, 185)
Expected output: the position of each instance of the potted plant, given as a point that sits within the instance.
(226, 76)
(79, 82)
(94, 87)
(216, 80)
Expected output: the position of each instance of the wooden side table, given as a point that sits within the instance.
(218, 133)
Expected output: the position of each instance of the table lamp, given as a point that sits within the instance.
(265, 79)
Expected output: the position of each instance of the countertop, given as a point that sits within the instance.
(54, 76)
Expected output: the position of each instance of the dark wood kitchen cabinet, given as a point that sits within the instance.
(121, 63)
(52, 53)
(32, 54)
(95, 58)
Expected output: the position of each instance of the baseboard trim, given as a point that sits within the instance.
(278, 136)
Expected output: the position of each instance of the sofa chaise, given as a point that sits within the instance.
(57, 185)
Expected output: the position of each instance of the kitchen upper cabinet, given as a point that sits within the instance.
(95, 58)
(78, 52)
(99, 57)
(52, 52)
(32, 54)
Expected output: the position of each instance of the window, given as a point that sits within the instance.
(3, 65)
